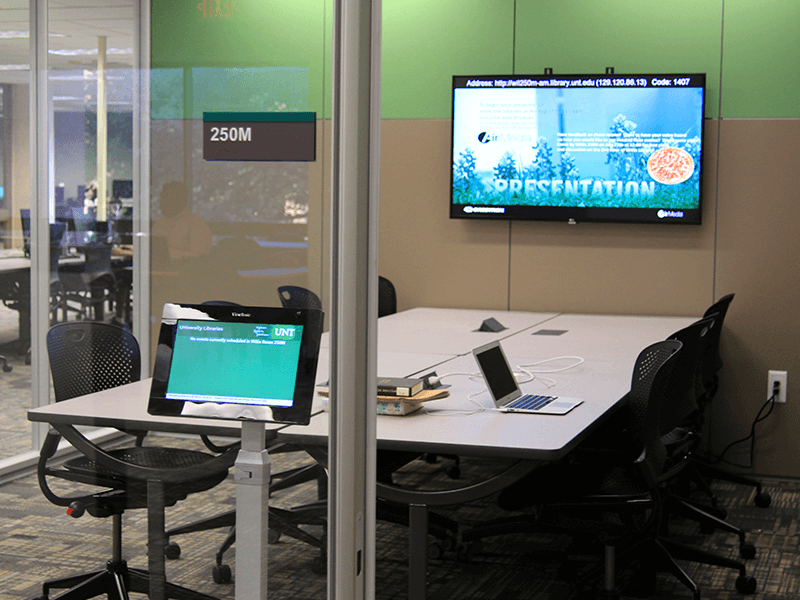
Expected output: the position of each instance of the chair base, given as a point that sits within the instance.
(115, 582)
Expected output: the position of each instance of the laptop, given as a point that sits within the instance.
(236, 362)
(505, 390)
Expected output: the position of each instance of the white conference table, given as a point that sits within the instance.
(418, 341)
(465, 424)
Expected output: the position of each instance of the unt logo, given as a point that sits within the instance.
(280, 332)
(213, 8)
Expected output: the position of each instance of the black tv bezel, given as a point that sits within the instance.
(570, 214)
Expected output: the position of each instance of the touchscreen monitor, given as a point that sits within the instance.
(236, 362)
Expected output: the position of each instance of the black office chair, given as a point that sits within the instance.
(712, 365)
(576, 497)
(387, 297)
(92, 284)
(56, 290)
(293, 296)
(25, 219)
(87, 357)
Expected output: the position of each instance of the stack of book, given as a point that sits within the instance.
(400, 396)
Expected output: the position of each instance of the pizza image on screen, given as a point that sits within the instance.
(670, 165)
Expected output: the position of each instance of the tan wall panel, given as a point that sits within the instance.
(758, 252)
(431, 259)
(618, 268)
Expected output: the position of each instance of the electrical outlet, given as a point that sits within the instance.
(780, 378)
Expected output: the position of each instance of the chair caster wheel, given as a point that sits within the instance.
(747, 550)
(273, 536)
(319, 566)
(7, 368)
(435, 551)
(763, 500)
(746, 584)
(221, 573)
(172, 551)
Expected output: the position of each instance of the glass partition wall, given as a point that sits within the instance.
(66, 193)
(108, 205)
(116, 155)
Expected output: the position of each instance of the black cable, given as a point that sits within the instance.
(752, 437)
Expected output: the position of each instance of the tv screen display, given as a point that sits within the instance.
(615, 148)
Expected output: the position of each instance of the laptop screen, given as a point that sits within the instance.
(243, 363)
(496, 372)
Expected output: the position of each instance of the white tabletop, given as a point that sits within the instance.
(125, 407)
(607, 345)
(447, 331)
(615, 337)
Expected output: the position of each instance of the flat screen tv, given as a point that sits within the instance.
(574, 148)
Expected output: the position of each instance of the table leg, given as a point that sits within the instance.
(418, 551)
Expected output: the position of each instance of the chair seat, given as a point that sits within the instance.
(152, 457)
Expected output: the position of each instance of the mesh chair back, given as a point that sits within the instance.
(293, 296)
(387, 298)
(648, 400)
(685, 382)
(89, 356)
(713, 361)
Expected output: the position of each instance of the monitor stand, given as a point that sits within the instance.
(252, 475)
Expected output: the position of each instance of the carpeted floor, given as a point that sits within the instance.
(39, 541)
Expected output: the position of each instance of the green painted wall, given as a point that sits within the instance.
(261, 54)
(276, 54)
(761, 59)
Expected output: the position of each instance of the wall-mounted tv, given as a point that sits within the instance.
(574, 148)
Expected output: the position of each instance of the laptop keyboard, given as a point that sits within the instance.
(531, 402)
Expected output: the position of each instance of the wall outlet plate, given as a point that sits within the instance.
(781, 377)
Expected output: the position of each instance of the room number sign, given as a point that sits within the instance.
(250, 136)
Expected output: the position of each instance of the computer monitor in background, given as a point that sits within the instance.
(122, 188)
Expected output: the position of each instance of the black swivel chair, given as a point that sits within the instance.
(577, 497)
(91, 285)
(293, 296)
(387, 297)
(87, 357)
(712, 365)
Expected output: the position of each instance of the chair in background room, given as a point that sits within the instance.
(56, 290)
(387, 297)
(87, 357)
(92, 284)
(25, 218)
(293, 296)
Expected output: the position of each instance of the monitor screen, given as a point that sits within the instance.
(616, 148)
(122, 188)
(233, 362)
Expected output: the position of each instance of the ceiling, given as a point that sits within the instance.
(74, 28)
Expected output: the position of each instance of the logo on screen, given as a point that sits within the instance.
(281, 332)
(484, 137)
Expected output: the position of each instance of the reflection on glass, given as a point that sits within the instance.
(256, 212)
